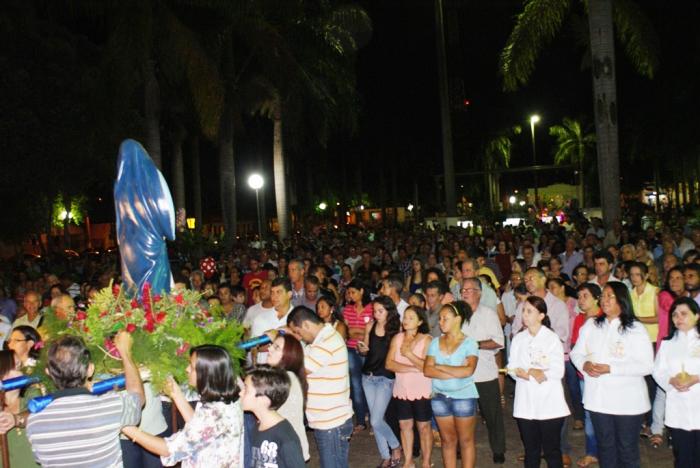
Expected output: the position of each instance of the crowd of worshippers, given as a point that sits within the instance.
(415, 334)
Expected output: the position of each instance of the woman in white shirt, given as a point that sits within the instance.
(677, 371)
(614, 354)
(287, 353)
(537, 365)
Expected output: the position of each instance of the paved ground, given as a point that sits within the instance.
(364, 453)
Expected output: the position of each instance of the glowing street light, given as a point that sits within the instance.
(512, 200)
(410, 207)
(533, 120)
(322, 206)
(256, 181)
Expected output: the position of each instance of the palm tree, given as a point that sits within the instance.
(497, 154)
(537, 25)
(574, 143)
(307, 81)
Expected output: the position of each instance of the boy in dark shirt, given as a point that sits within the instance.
(273, 441)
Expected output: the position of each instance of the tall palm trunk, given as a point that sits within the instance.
(179, 167)
(447, 156)
(196, 180)
(605, 106)
(279, 175)
(227, 175)
(152, 111)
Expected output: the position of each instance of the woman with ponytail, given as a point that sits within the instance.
(537, 365)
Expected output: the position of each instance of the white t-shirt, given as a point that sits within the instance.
(401, 307)
(265, 321)
(485, 325)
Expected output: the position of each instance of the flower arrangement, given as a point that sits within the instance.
(164, 328)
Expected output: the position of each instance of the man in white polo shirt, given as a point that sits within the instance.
(272, 319)
(328, 404)
(485, 328)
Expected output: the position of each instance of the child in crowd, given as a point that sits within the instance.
(274, 442)
(238, 295)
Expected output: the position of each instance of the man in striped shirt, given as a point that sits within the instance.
(328, 406)
(78, 429)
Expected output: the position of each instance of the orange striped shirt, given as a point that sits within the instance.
(328, 399)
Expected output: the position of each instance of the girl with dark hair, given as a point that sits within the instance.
(614, 354)
(19, 447)
(26, 342)
(411, 392)
(327, 311)
(286, 353)
(213, 432)
(677, 371)
(536, 363)
(417, 300)
(414, 281)
(450, 361)
(357, 314)
(377, 380)
(434, 274)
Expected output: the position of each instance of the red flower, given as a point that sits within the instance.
(157, 298)
(103, 313)
(146, 290)
(128, 313)
(81, 315)
(149, 327)
(181, 350)
(115, 290)
(131, 328)
(160, 317)
(134, 304)
(179, 299)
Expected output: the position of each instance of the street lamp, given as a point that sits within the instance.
(533, 120)
(512, 200)
(322, 206)
(255, 181)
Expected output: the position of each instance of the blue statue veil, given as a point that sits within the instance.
(145, 217)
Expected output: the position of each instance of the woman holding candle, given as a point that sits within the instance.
(677, 371)
(537, 365)
(614, 355)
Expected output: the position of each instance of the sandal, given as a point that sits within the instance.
(395, 457)
(588, 460)
(656, 440)
(359, 428)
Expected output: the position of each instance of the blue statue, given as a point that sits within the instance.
(145, 217)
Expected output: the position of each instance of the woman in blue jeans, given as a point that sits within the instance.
(450, 362)
(377, 381)
(356, 315)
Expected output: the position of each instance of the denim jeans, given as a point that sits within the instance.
(334, 445)
(658, 412)
(359, 404)
(572, 384)
(378, 393)
(618, 439)
(591, 443)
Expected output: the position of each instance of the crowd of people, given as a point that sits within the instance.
(414, 334)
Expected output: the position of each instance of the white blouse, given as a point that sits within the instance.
(630, 356)
(544, 351)
(680, 352)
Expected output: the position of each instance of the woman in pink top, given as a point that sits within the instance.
(675, 288)
(411, 388)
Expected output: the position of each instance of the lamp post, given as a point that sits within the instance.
(533, 120)
(256, 182)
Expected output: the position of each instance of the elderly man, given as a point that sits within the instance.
(78, 428)
(485, 327)
(32, 317)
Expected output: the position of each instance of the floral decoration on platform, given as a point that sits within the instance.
(164, 328)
